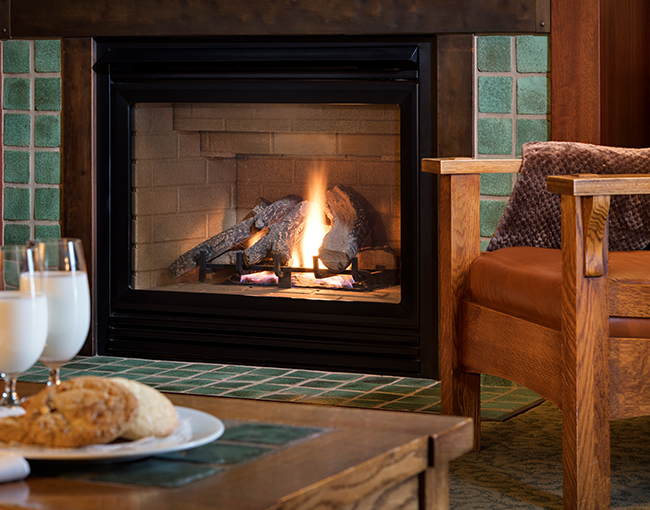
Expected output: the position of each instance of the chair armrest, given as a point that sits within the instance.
(461, 166)
(592, 184)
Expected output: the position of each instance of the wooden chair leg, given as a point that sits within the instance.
(460, 395)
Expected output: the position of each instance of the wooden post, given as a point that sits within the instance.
(585, 398)
(459, 246)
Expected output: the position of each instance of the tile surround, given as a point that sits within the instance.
(31, 105)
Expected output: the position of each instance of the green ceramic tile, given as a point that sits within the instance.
(16, 234)
(47, 56)
(248, 378)
(306, 374)
(47, 231)
(378, 395)
(145, 371)
(226, 385)
(245, 393)
(496, 184)
(265, 433)
(289, 381)
(209, 391)
(194, 382)
(495, 94)
(219, 453)
(359, 386)
(97, 360)
(17, 204)
(47, 131)
(379, 381)
(533, 54)
(17, 94)
(131, 376)
(168, 365)
(342, 377)
(502, 406)
(80, 366)
(134, 362)
(422, 401)
(533, 95)
(17, 129)
(47, 204)
(267, 388)
(112, 369)
(433, 409)
(429, 392)
(493, 53)
(342, 394)
(514, 398)
(321, 399)
(234, 369)
(400, 390)
(413, 381)
(490, 414)
(157, 473)
(213, 376)
(33, 378)
(201, 367)
(181, 372)
(16, 56)
(402, 406)
(16, 167)
(157, 380)
(491, 212)
(269, 372)
(305, 392)
(532, 130)
(493, 380)
(281, 397)
(47, 94)
(484, 245)
(318, 383)
(525, 391)
(366, 404)
(495, 136)
(174, 388)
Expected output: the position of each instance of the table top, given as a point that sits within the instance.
(356, 452)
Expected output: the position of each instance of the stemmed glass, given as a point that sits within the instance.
(23, 317)
(65, 284)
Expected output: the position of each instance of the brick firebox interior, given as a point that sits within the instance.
(200, 168)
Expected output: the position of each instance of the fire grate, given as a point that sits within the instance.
(363, 280)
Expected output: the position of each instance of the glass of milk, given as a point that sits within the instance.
(23, 316)
(65, 284)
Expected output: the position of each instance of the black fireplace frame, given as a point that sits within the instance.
(352, 336)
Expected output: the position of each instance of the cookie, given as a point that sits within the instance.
(156, 414)
(79, 412)
(12, 429)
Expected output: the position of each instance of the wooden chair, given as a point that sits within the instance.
(569, 358)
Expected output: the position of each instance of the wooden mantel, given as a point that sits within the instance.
(111, 18)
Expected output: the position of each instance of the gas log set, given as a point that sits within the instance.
(281, 243)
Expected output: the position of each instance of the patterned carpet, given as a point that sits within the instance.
(520, 464)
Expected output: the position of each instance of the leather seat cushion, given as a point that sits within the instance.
(526, 282)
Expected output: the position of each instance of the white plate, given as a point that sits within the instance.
(203, 428)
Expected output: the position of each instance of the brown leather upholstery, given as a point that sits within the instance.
(526, 282)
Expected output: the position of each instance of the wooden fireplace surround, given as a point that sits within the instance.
(586, 44)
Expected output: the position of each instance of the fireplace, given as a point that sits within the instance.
(196, 136)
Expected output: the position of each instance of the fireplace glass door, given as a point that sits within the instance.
(241, 198)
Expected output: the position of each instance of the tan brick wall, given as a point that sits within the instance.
(200, 168)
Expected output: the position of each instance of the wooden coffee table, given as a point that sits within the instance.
(369, 458)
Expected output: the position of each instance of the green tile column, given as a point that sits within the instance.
(31, 111)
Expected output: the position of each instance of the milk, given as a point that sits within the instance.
(68, 306)
(23, 329)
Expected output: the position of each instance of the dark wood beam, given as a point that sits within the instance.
(77, 149)
(81, 18)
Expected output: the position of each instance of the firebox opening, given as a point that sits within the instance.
(261, 185)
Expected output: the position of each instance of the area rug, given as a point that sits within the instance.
(520, 464)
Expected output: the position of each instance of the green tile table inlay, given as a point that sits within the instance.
(17, 204)
(17, 129)
(494, 136)
(16, 167)
(47, 204)
(493, 53)
(533, 95)
(16, 234)
(47, 56)
(17, 94)
(219, 453)
(47, 131)
(16, 56)
(495, 94)
(265, 433)
(533, 54)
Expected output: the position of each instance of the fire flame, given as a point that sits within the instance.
(315, 228)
